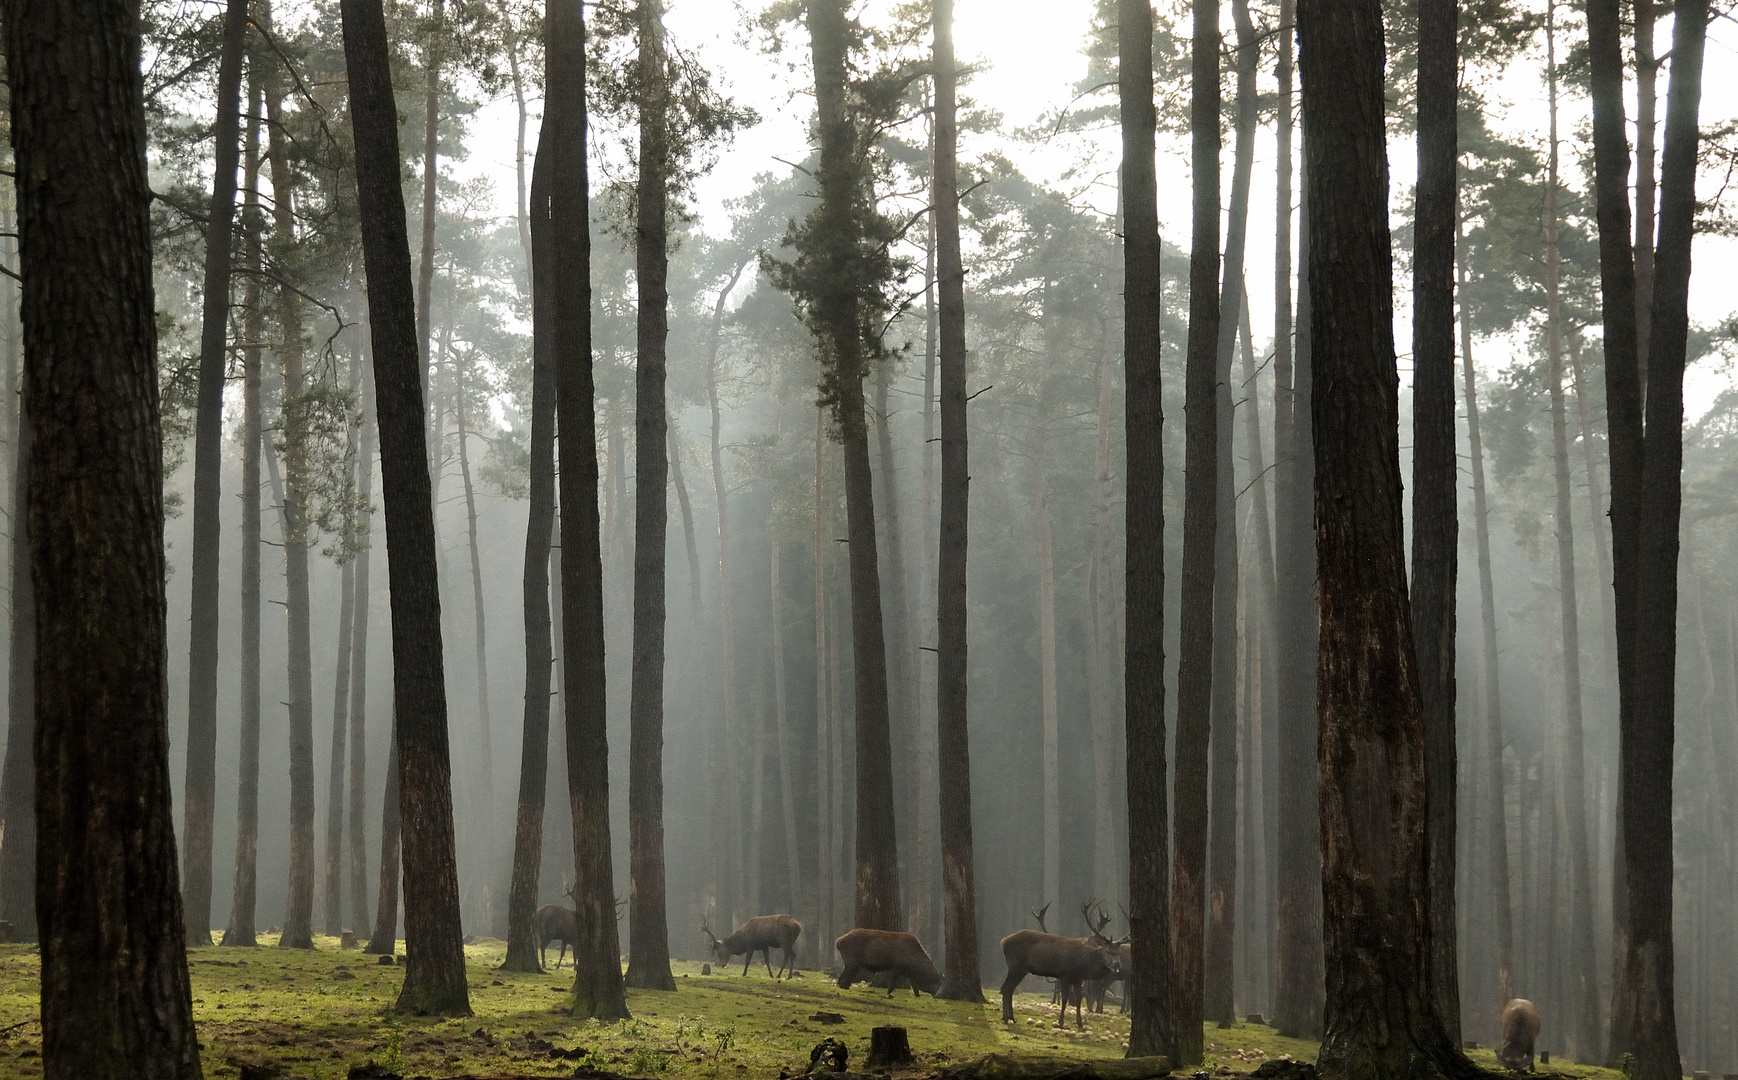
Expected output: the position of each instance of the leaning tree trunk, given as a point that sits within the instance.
(522, 939)
(1380, 1019)
(1297, 997)
(648, 931)
(1647, 739)
(1218, 967)
(434, 981)
(597, 985)
(1435, 510)
(1584, 1032)
(1200, 494)
(1149, 985)
(201, 786)
(243, 904)
(115, 994)
(953, 748)
(836, 313)
(298, 930)
(358, 840)
(1490, 699)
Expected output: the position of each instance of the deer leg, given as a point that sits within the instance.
(747, 960)
(848, 976)
(766, 958)
(1009, 985)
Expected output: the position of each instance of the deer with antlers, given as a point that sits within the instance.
(1072, 962)
(762, 935)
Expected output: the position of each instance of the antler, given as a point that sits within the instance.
(1096, 920)
(1039, 915)
(706, 928)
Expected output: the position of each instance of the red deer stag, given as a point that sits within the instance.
(1097, 988)
(1520, 1028)
(1070, 961)
(874, 952)
(762, 934)
(555, 923)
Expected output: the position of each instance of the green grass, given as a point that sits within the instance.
(315, 1014)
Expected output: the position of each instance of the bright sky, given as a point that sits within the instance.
(1030, 57)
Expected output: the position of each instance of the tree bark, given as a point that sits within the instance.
(18, 774)
(243, 904)
(1490, 697)
(1435, 505)
(953, 746)
(522, 938)
(1148, 987)
(334, 893)
(597, 986)
(837, 309)
(1380, 1017)
(648, 931)
(781, 718)
(829, 796)
(1298, 985)
(359, 666)
(434, 981)
(1647, 70)
(1200, 512)
(1220, 944)
(200, 792)
(727, 825)
(1584, 1032)
(431, 122)
(1046, 619)
(299, 905)
(1647, 740)
(115, 994)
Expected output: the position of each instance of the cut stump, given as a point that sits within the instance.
(888, 1047)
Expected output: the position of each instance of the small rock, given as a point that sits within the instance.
(497, 982)
(386, 961)
(343, 973)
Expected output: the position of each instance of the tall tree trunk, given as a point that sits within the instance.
(781, 715)
(953, 747)
(200, 792)
(1298, 975)
(18, 775)
(1217, 969)
(299, 905)
(1052, 880)
(522, 938)
(837, 313)
(243, 902)
(1200, 512)
(1647, 740)
(1619, 297)
(485, 730)
(334, 893)
(431, 124)
(648, 932)
(1101, 604)
(1647, 71)
(115, 993)
(1596, 509)
(1584, 1031)
(1152, 1024)
(1490, 697)
(828, 795)
(359, 664)
(1380, 1017)
(597, 986)
(1435, 505)
(521, 211)
(434, 981)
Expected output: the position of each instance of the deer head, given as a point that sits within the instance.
(714, 944)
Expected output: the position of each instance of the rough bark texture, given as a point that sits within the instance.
(1647, 740)
(597, 985)
(1200, 512)
(1435, 510)
(243, 902)
(434, 981)
(1149, 986)
(648, 932)
(837, 307)
(358, 838)
(18, 775)
(1380, 1018)
(200, 794)
(115, 993)
(1298, 929)
(953, 749)
(522, 939)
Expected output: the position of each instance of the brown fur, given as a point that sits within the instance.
(555, 923)
(874, 952)
(761, 934)
(1070, 961)
(1520, 1028)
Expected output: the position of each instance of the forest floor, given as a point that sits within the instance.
(284, 1013)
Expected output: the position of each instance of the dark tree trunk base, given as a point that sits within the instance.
(888, 1047)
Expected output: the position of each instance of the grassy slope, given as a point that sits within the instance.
(297, 1010)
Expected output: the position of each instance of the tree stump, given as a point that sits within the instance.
(347, 939)
(888, 1047)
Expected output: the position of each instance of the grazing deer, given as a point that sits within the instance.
(1070, 961)
(1520, 1028)
(556, 923)
(873, 952)
(761, 934)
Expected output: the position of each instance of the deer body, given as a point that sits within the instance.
(873, 952)
(1520, 1028)
(1096, 988)
(555, 923)
(761, 934)
(1072, 962)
